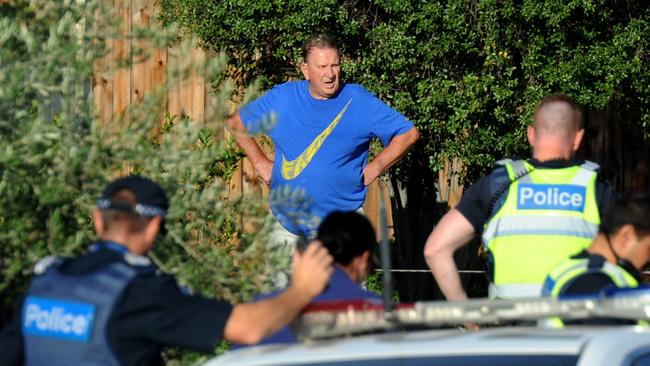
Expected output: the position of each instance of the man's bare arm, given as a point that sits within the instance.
(251, 322)
(262, 164)
(390, 155)
(451, 233)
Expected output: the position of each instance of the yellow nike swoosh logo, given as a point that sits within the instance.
(291, 169)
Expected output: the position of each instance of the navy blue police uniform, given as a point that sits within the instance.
(90, 326)
(110, 306)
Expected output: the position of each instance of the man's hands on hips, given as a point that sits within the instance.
(264, 168)
(370, 173)
(311, 269)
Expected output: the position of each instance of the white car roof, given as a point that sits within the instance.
(593, 345)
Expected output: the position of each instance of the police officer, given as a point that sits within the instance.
(531, 213)
(615, 257)
(111, 306)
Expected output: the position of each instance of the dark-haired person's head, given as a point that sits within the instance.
(131, 212)
(626, 224)
(350, 238)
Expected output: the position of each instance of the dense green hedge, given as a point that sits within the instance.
(469, 73)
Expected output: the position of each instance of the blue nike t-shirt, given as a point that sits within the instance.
(321, 147)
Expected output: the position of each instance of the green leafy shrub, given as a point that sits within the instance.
(469, 73)
(56, 156)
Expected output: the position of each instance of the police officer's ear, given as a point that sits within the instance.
(153, 228)
(577, 139)
(98, 221)
(626, 236)
(361, 266)
(530, 133)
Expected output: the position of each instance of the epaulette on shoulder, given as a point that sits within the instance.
(141, 263)
(46, 263)
(502, 162)
(590, 165)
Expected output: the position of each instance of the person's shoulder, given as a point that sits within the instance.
(152, 288)
(353, 90)
(498, 173)
(291, 85)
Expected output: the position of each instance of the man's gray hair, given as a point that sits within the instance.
(319, 41)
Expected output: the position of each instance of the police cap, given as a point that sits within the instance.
(151, 198)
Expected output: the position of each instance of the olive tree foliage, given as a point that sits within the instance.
(468, 73)
(56, 155)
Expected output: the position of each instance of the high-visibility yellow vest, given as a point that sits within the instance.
(547, 215)
(571, 269)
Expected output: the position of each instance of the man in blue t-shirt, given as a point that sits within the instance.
(321, 129)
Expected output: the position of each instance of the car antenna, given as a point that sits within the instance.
(385, 252)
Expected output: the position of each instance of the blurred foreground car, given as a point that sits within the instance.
(529, 346)
(328, 330)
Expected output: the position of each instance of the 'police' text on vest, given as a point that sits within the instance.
(69, 320)
(551, 197)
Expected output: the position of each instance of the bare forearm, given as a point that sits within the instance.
(391, 154)
(446, 275)
(254, 153)
(252, 150)
(251, 322)
(451, 233)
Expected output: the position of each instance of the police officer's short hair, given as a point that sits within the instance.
(576, 111)
(319, 41)
(631, 209)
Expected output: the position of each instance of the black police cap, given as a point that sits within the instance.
(151, 198)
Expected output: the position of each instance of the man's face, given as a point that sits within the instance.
(638, 253)
(323, 71)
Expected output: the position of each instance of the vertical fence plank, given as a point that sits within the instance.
(174, 101)
(158, 64)
(103, 88)
(371, 208)
(450, 188)
(141, 75)
(196, 88)
(121, 53)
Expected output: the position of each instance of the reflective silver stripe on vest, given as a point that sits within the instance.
(519, 168)
(583, 264)
(514, 291)
(616, 272)
(585, 173)
(539, 225)
(613, 271)
(503, 162)
(590, 165)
